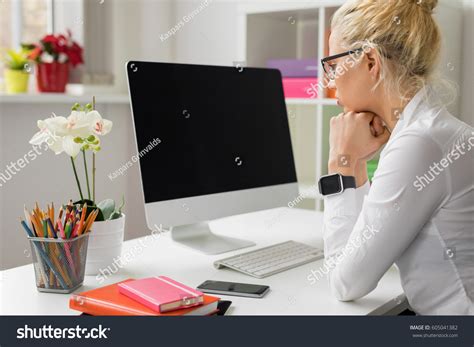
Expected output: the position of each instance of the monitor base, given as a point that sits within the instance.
(200, 237)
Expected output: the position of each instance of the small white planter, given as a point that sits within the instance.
(105, 244)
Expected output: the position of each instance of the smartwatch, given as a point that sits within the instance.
(335, 184)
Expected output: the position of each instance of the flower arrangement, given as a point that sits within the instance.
(79, 133)
(57, 48)
(54, 55)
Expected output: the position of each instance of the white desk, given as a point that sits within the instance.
(290, 291)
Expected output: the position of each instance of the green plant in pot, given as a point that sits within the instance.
(77, 135)
(17, 70)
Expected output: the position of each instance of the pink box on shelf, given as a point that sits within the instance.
(306, 88)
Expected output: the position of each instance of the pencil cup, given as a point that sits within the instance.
(59, 263)
(105, 245)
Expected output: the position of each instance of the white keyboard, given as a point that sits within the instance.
(270, 260)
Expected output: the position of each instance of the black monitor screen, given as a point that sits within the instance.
(209, 129)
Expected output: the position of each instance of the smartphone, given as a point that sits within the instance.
(236, 289)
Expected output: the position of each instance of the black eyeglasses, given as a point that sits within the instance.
(329, 69)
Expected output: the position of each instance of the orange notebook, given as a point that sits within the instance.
(108, 301)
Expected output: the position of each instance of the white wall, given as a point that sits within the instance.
(137, 25)
(210, 37)
(467, 87)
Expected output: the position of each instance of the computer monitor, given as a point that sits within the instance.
(213, 141)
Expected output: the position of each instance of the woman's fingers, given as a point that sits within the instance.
(383, 137)
(358, 134)
(377, 126)
(375, 122)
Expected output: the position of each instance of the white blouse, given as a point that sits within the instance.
(418, 213)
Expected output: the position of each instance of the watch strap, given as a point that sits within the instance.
(348, 182)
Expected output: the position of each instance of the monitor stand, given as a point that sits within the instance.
(200, 237)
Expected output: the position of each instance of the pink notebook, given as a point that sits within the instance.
(161, 294)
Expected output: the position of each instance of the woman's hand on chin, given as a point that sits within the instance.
(353, 139)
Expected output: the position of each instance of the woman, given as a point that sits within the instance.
(419, 208)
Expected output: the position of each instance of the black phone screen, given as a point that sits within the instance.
(233, 287)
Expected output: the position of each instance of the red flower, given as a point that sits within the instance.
(57, 44)
(50, 38)
(75, 54)
(61, 44)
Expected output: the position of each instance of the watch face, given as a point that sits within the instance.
(330, 184)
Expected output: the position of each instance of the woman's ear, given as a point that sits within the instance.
(373, 63)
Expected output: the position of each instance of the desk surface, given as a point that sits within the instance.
(290, 292)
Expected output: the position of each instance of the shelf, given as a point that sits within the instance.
(284, 7)
(66, 98)
(308, 101)
(294, 30)
(74, 93)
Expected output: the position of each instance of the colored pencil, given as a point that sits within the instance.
(90, 220)
(51, 214)
(28, 220)
(53, 232)
(45, 228)
(74, 230)
(68, 229)
(83, 217)
(61, 211)
(36, 221)
(45, 257)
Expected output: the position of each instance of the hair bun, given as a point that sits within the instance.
(427, 5)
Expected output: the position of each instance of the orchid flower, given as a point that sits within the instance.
(80, 129)
(99, 126)
(78, 132)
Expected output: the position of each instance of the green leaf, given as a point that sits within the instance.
(118, 212)
(16, 60)
(115, 215)
(122, 204)
(27, 47)
(107, 207)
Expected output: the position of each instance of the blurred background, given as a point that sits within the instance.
(102, 35)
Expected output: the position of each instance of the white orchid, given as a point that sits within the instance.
(99, 126)
(77, 131)
(52, 130)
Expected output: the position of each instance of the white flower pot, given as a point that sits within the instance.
(105, 244)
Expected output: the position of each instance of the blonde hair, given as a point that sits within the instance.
(404, 34)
